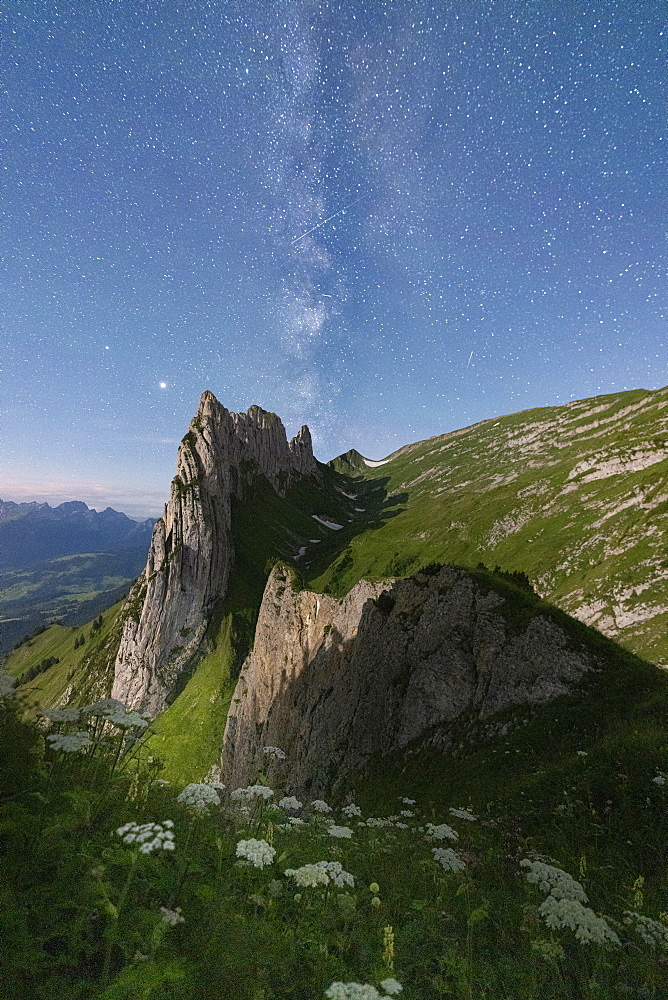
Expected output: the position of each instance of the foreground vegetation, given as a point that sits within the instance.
(532, 865)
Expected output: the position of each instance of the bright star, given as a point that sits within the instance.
(163, 385)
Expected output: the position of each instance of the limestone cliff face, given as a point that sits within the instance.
(191, 551)
(332, 683)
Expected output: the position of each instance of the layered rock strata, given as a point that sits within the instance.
(333, 683)
(191, 552)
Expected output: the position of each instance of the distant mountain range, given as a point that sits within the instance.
(64, 562)
(34, 532)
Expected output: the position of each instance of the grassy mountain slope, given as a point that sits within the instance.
(576, 496)
(83, 672)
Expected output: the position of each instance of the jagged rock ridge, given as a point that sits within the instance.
(191, 552)
(333, 683)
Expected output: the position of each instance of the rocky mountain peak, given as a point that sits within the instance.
(191, 552)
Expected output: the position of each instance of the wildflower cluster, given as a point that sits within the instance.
(62, 713)
(114, 711)
(108, 709)
(319, 806)
(274, 752)
(448, 858)
(554, 881)
(256, 852)
(588, 928)
(199, 797)
(336, 873)
(252, 792)
(69, 742)
(463, 814)
(652, 932)
(351, 810)
(149, 836)
(340, 831)
(363, 991)
(441, 832)
(172, 917)
(308, 875)
(290, 803)
(564, 906)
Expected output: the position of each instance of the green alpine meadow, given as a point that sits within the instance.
(388, 727)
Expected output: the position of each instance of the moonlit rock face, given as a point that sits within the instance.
(191, 552)
(340, 681)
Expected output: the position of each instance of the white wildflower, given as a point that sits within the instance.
(441, 832)
(652, 932)
(290, 803)
(463, 814)
(126, 720)
(391, 986)
(340, 831)
(308, 875)
(581, 753)
(408, 813)
(408, 802)
(352, 991)
(554, 881)
(199, 797)
(69, 742)
(149, 836)
(351, 810)
(401, 826)
(274, 752)
(252, 792)
(448, 858)
(588, 928)
(336, 873)
(376, 821)
(172, 917)
(62, 713)
(659, 780)
(295, 821)
(319, 806)
(258, 852)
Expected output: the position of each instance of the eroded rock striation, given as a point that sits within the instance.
(333, 683)
(191, 552)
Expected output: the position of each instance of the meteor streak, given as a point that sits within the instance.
(324, 221)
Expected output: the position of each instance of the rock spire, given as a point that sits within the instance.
(191, 552)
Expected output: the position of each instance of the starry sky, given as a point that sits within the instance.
(385, 219)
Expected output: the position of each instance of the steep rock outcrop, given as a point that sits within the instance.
(191, 552)
(332, 682)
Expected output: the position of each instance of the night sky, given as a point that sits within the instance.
(384, 219)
